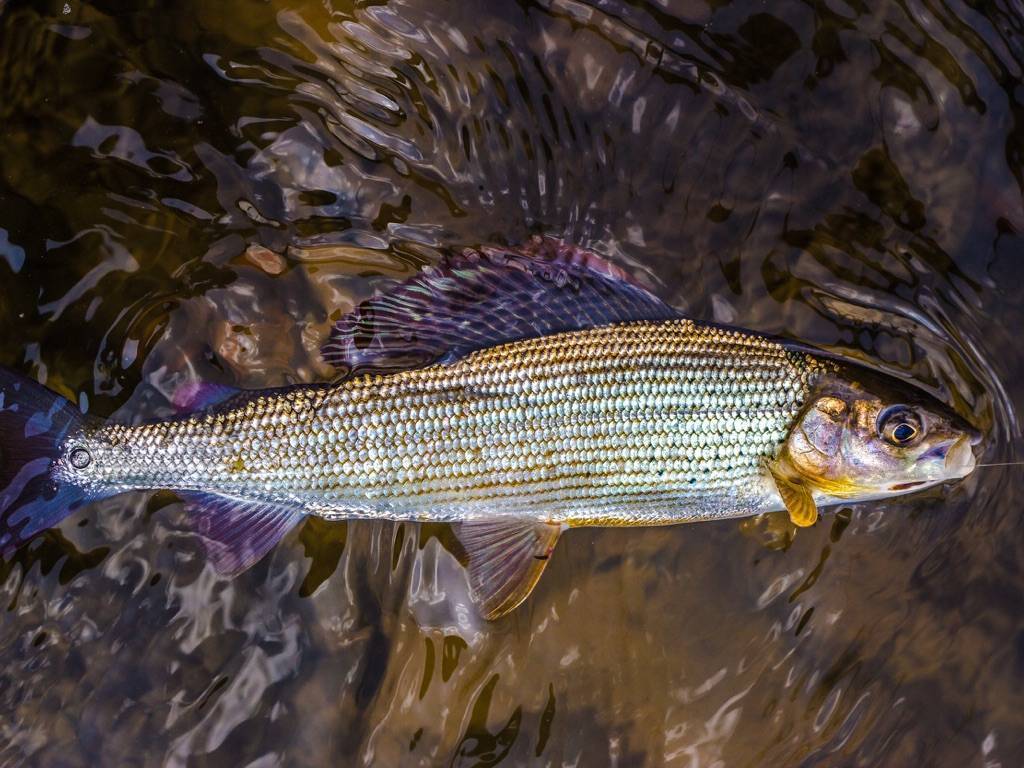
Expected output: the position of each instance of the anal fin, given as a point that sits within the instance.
(237, 532)
(506, 560)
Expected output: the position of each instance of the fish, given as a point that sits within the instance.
(514, 393)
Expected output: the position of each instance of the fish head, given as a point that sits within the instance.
(864, 435)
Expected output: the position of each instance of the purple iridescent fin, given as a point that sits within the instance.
(479, 299)
(236, 533)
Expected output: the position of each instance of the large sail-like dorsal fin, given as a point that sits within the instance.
(483, 298)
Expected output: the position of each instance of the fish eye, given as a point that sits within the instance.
(79, 458)
(899, 425)
(903, 432)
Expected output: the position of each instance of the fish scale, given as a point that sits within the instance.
(647, 421)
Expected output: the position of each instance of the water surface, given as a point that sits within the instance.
(197, 189)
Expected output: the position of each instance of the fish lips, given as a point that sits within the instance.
(958, 459)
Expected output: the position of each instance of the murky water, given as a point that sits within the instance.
(196, 190)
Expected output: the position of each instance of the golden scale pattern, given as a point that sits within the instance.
(627, 424)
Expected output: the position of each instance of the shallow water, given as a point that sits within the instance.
(196, 190)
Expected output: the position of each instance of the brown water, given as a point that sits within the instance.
(195, 189)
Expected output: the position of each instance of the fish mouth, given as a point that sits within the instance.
(907, 486)
(960, 459)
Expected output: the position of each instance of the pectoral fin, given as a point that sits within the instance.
(506, 560)
(797, 497)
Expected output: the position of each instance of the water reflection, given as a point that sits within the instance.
(196, 192)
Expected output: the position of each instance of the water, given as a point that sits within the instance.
(195, 189)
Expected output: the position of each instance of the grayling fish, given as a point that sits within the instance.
(515, 394)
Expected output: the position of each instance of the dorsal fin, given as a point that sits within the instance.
(195, 396)
(479, 299)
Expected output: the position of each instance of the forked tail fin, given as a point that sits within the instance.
(34, 423)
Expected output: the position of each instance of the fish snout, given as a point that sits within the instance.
(960, 458)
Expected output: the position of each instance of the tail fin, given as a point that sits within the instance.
(34, 423)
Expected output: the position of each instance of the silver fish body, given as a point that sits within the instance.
(540, 389)
(630, 424)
